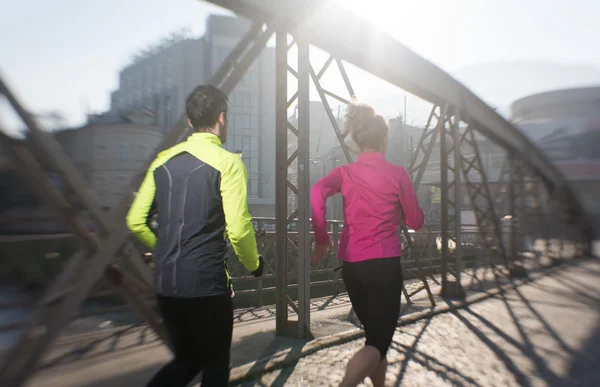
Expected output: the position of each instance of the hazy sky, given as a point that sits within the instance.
(66, 54)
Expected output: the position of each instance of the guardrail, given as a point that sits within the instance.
(425, 256)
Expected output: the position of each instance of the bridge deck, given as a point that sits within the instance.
(129, 356)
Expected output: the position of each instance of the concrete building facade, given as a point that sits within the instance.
(109, 154)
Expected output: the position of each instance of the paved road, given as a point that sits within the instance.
(546, 333)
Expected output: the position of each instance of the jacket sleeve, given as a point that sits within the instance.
(137, 218)
(414, 217)
(234, 191)
(326, 187)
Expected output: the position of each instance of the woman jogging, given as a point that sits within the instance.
(378, 198)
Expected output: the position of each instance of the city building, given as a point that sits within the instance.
(565, 124)
(110, 150)
(161, 79)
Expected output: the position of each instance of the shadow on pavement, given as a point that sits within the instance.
(523, 314)
(138, 377)
(583, 370)
(504, 357)
(119, 341)
(410, 351)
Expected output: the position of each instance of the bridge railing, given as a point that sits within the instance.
(423, 258)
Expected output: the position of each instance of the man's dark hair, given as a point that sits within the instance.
(204, 105)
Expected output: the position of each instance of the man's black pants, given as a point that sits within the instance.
(200, 330)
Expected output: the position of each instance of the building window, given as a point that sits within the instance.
(253, 187)
(238, 121)
(246, 98)
(254, 143)
(101, 184)
(101, 151)
(122, 152)
(246, 122)
(142, 152)
(121, 184)
(246, 144)
(254, 121)
(169, 66)
(148, 81)
(139, 81)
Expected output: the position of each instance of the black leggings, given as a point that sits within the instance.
(200, 330)
(375, 288)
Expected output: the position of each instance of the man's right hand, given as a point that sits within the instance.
(261, 267)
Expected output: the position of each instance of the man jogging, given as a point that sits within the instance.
(199, 191)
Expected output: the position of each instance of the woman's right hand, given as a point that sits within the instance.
(319, 253)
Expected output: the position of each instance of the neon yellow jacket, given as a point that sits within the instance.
(200, 192)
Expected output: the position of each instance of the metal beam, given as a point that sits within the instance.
(242, 68)
(454, 131)
(332, 119)
(304, 236)
(431, 133)
(395, 63)
(281, 179)
(445, 221)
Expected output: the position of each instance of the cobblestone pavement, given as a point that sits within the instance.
(546, 333)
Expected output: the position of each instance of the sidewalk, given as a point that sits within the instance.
(544, 333)
(130, 357)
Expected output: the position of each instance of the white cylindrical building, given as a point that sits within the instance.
(565, 124)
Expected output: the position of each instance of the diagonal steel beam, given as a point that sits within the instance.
(332, 119)
(345, 77)
(433, 133)
(481, 190)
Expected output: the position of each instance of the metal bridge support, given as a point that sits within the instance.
(293, 174)
(281, 186)
(482, 201)
(516, 202)
(303, 181)
(451, 198)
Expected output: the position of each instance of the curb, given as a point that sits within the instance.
(289, 357)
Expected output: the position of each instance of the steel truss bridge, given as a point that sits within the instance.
(531, 191)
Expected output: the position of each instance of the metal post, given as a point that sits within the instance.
(516, 271)
(512, 208)
(281, 167)
(457, 196)
(444, 202)
(304, 238)
(524, 215)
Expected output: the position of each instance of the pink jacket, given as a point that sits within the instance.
(378, 196)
